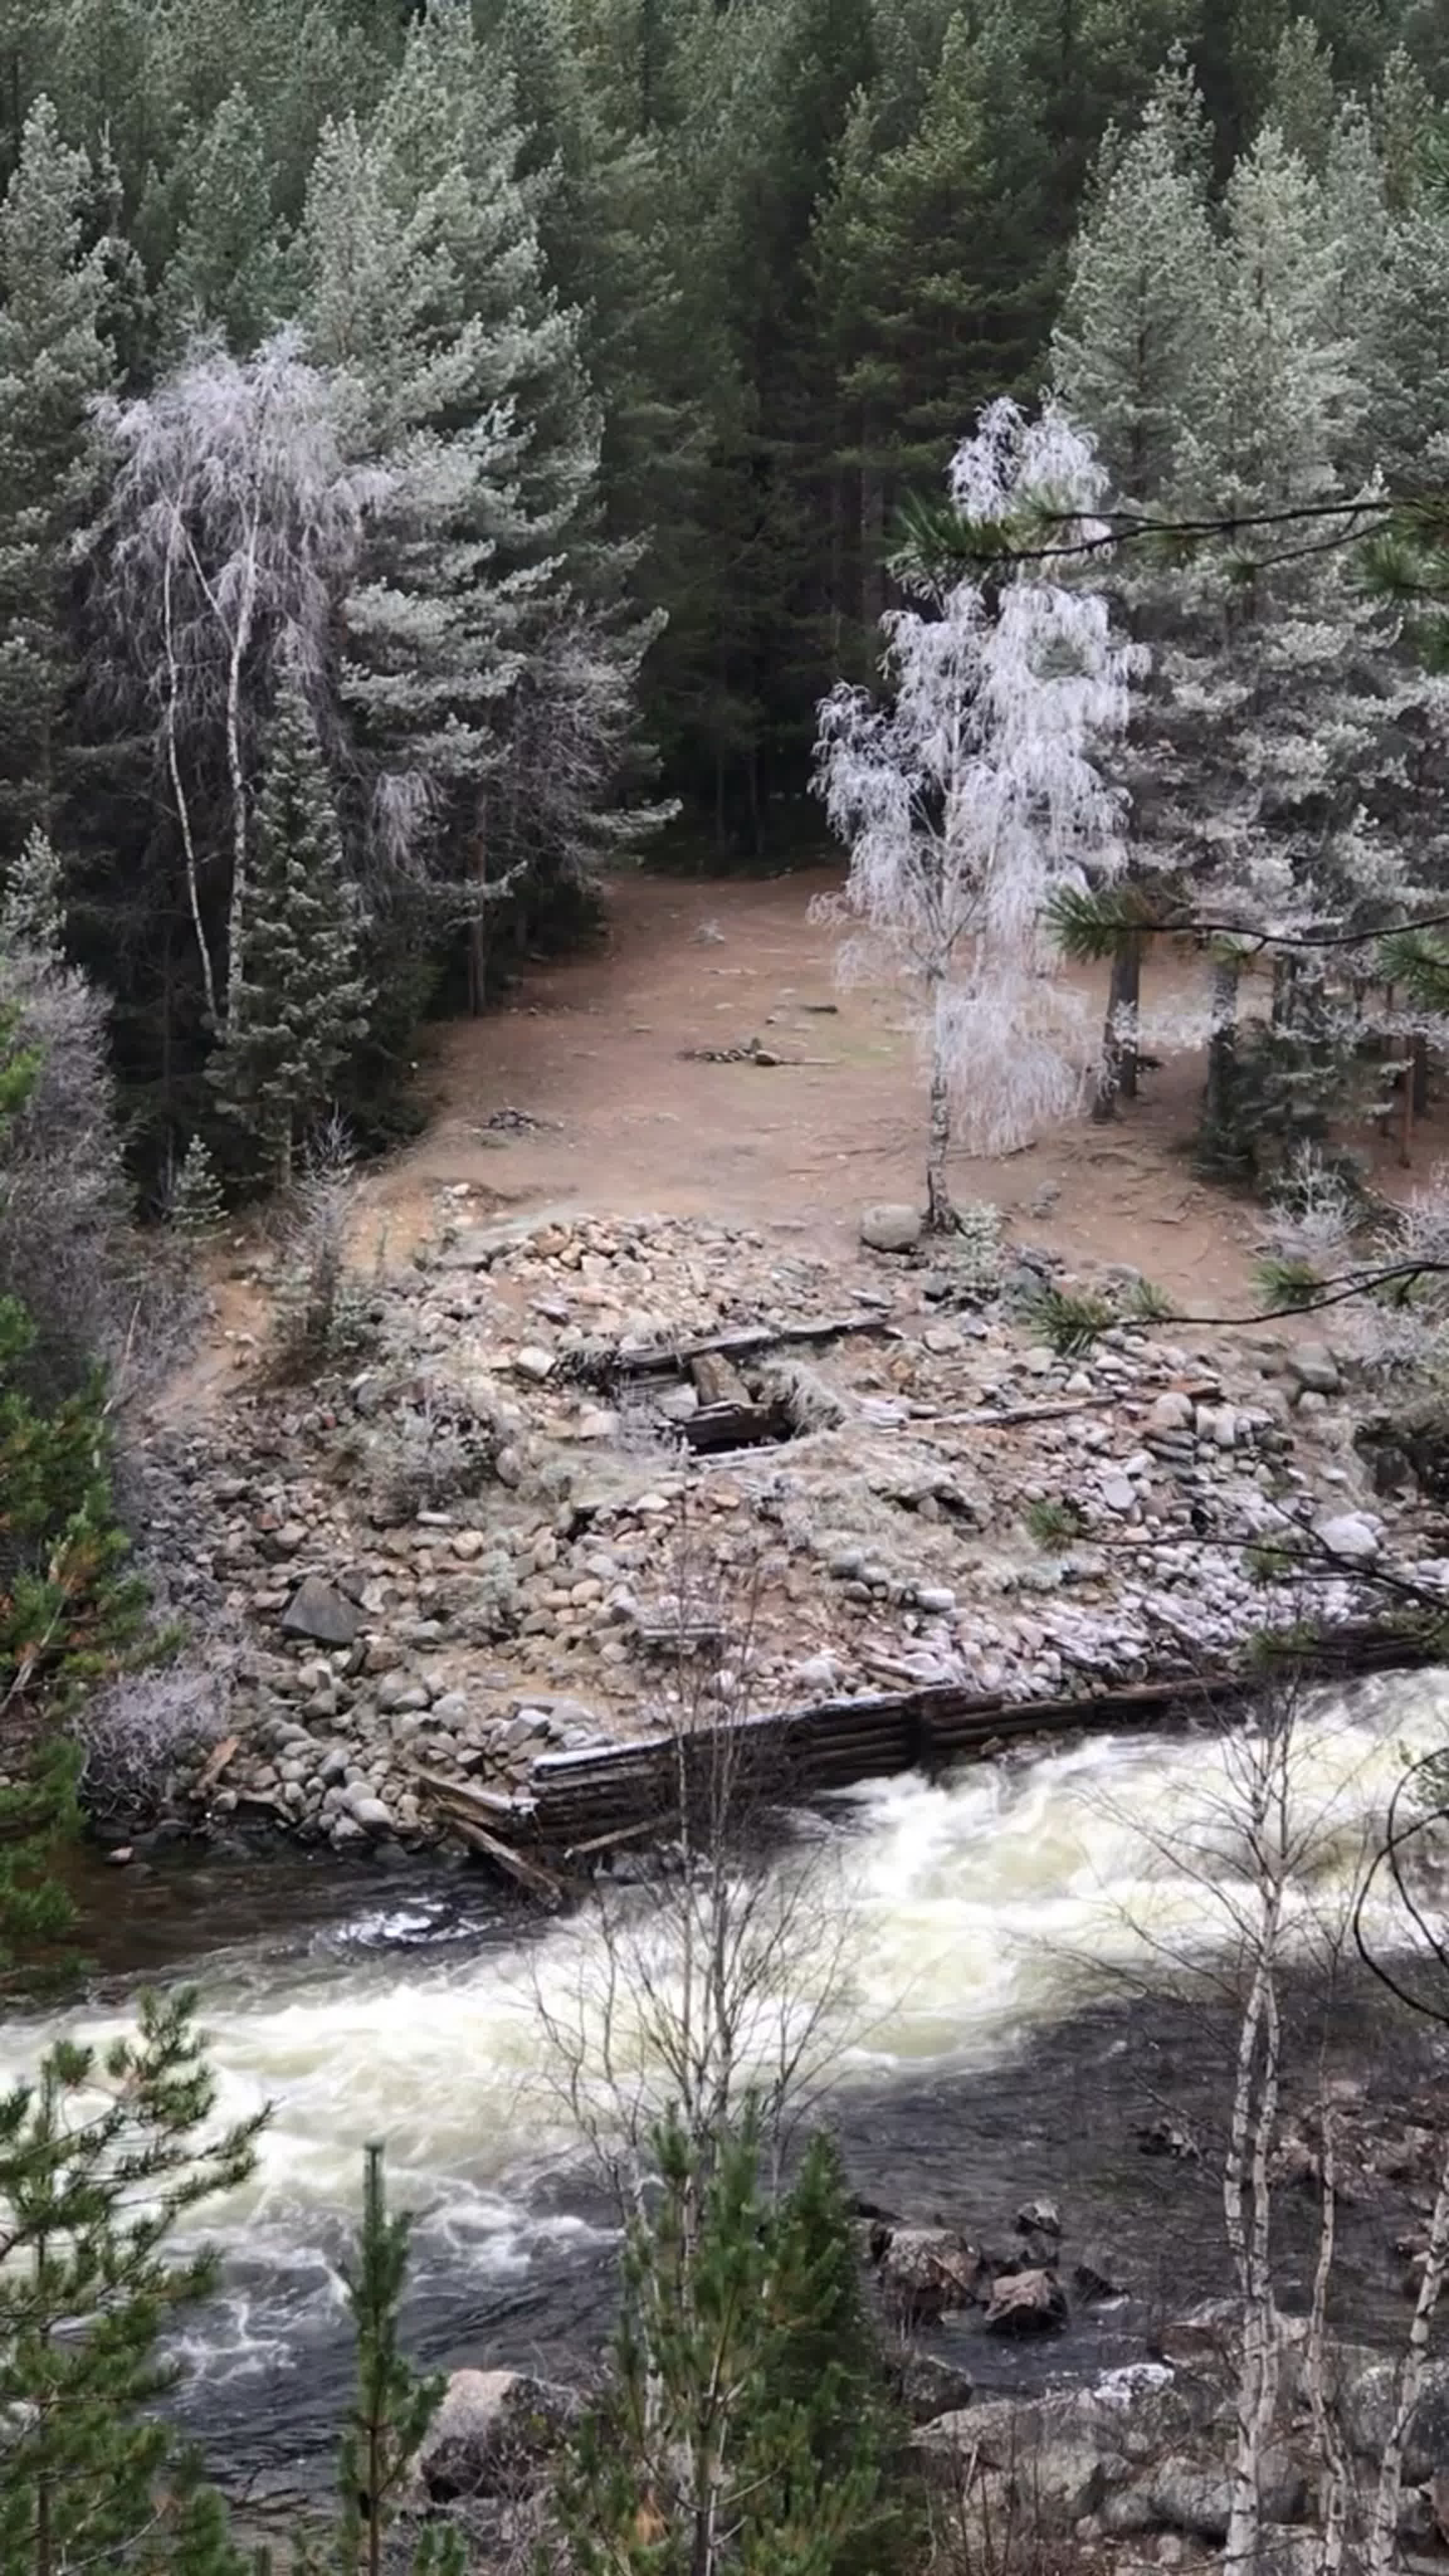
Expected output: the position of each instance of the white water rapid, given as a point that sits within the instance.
(981, 1912)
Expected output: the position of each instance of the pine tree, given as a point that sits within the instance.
(196, 1207)
(53, 360)
(228, 267)
(745, 2424)
(392, 2411)
(1303, 97)
(32, 902)
(486, 558)
(933, 310)
(102, 2157)
(1406, 125)
(1408, 357)
(69, 1606)
(298, 1000)
(1138, 312)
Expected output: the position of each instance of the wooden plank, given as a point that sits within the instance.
(540, 1883)
(719, 1427)
(495, 1803)
(745, 1339)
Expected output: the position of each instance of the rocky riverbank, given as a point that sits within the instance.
(485, 1536)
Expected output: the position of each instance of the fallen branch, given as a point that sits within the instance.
(1207, 1391)
(220, 1758)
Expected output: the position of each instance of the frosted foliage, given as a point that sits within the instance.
(972, 795)
(1316, 1213)
(1407, 1340)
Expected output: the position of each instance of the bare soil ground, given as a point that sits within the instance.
(614, 1115)
(594, 1049)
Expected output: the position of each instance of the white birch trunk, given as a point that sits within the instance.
(1333, 2491)
(1383, 2537)
(173, 763)
(236, 911)
(940, 1214)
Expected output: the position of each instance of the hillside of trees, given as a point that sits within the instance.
(443, 446)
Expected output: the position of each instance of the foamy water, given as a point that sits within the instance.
(969, 1913)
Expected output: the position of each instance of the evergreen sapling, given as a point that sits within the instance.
(298, 998)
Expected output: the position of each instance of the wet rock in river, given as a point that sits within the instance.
(1026, 2303)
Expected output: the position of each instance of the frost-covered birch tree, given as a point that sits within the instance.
(972, 794)
(231, 534)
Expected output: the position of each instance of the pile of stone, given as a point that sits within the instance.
(490, 1538)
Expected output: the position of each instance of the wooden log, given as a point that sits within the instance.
(539, 1883)
(491, 1806)
(745, 1339)
(735, 1426)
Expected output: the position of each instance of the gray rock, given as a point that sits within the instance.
(1171, 1412)
(1349, 1535)
(318, 1610)
(1026, 2303)
(1315, 1368)
(492, 2434)
(891, 1227)
(926, 2271)
(1017, 2459)
(370, 1814)
(1183, 2495)
(1118, 1494)
(1367, 2400)
(925, 2386)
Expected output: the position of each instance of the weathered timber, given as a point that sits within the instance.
(540, 1884)
(494, 1806)
(735, 1426)
(604, 1790)
(745, 1339)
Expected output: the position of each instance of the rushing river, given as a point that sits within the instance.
(999, 1930)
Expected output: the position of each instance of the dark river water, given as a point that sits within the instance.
(1009, 2025)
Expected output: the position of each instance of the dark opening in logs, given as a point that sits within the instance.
(737, 1426)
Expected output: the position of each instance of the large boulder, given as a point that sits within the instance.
(1367, 2398)
(1181, 2494)
(925, 2271)
(1314, 1367)
(1009, 2458)
(888, 1227)
(493, 2432)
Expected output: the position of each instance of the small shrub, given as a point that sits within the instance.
(134, 1733)
(1071, 1320)
(1055, 1524)
(431, 1453)
(320, 1314)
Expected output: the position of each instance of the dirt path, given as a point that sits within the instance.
(594, 1050)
